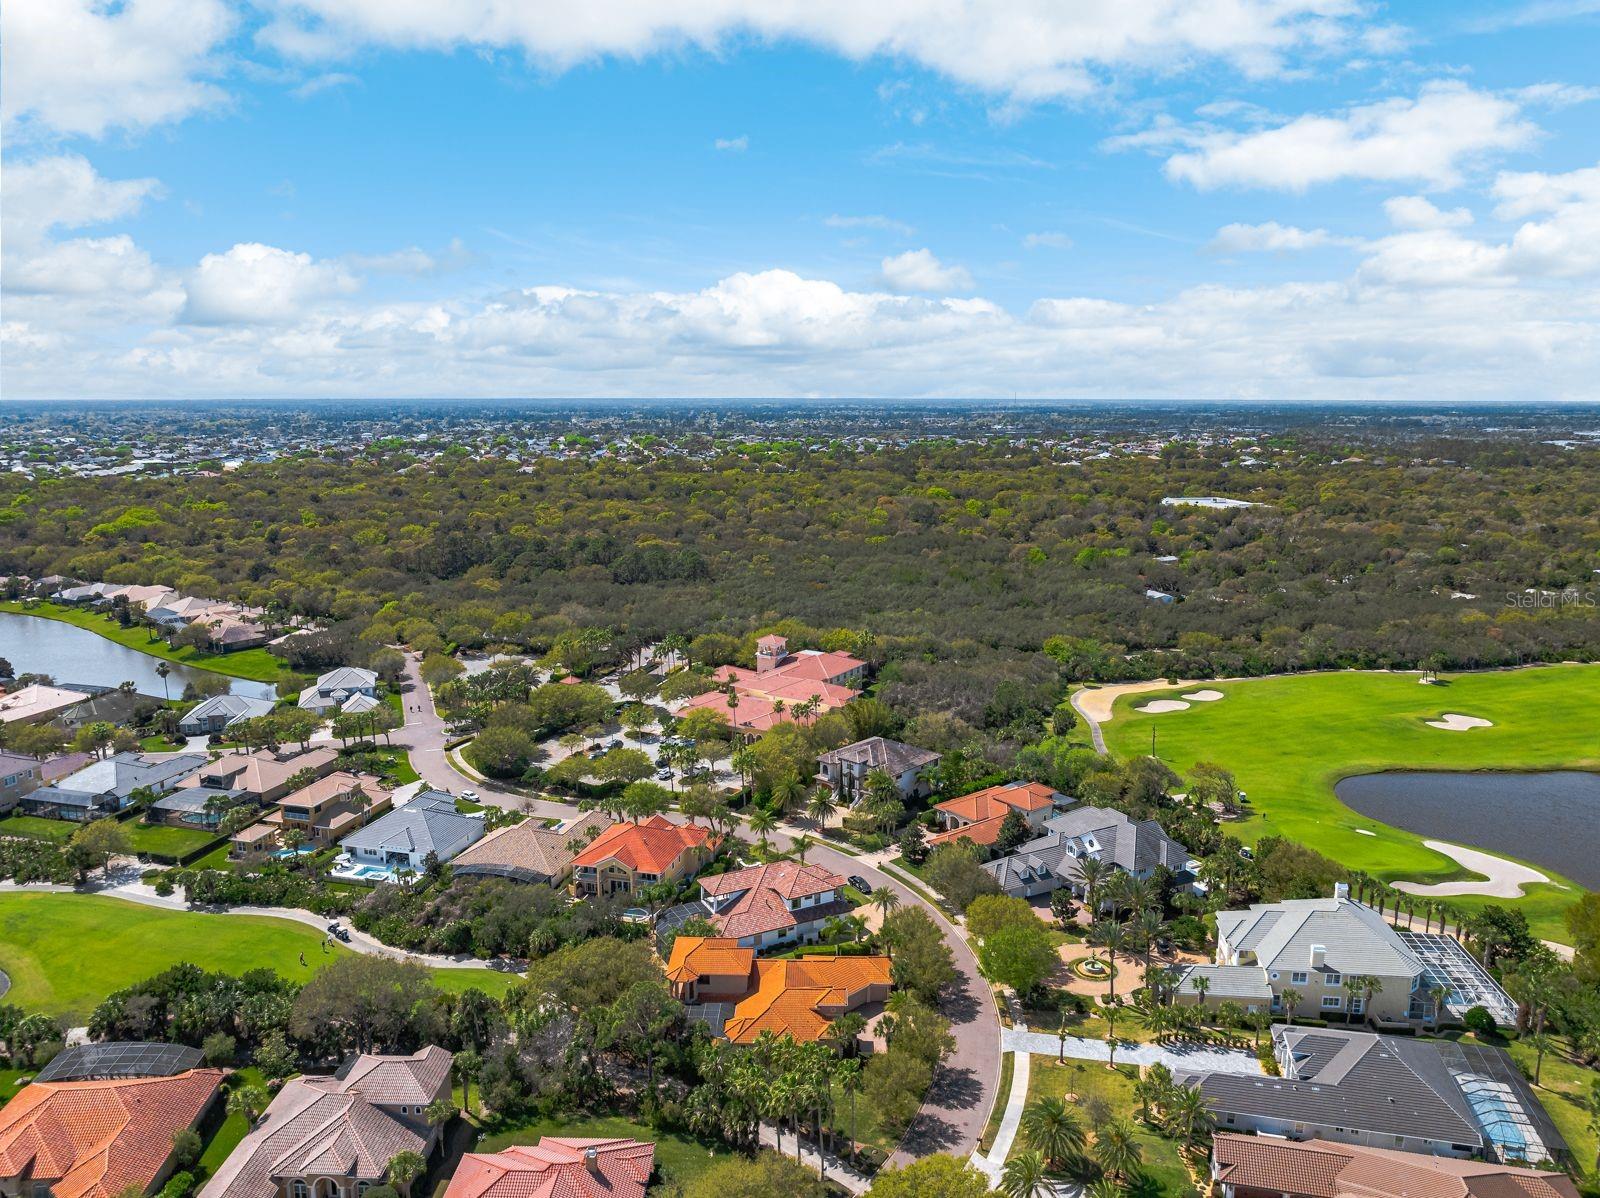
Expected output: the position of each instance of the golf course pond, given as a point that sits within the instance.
(1549, 818)
(35, 645)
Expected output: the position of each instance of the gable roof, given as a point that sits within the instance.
(1328, 1169)
(123, 773)
(789, 995)
(698, 956)
(759, 896)
(556, 1167)
(35, 701)
(427, 824)
(332, 786)
(233, 707)
(100, 1137)
(347, 678)
(1354, 937)
(1101, 832)
(528, 851)
(650, 847)
(335, 1125)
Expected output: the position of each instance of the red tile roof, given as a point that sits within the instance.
(96, 1139)
(1025, 797)
(763, 906)
(556, 1167)
(790, 996)
(650, 847)
(707, 956)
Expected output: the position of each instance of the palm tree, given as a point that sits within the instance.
(1049, 1128)
(886, 900)
(1111, 1011)
(1153, 1088)
(1116, 1149)
(1094, 872)
(404, 1168)
(1104, 1187)
(1024, 1177)
(821, 805)
(802, 846)
(1291, 999)
(162, 670)
(1187, 1116)
(762, 821)
(248, 1101)
(743, 761)
(1109, 935)
(787, 791)
(1149, 926)
(1201, 985)
(848, 1073)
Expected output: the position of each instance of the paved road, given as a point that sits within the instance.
(1095, 734)
(957, 1107)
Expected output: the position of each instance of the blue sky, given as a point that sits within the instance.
(1285, 199)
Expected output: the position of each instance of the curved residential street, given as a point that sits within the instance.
(957, 1107)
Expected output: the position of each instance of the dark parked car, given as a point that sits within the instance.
(860, 883)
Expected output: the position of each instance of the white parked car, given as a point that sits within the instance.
(470, 796)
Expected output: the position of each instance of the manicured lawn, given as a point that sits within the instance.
(1289, 740)
(8, 1082)
(144, 838)
(232, 1128)
(166, 840)
(679, 1157)
(66, 952)
(36, 827)
(255, 664)
(1163, 1170)
(1008, 1065)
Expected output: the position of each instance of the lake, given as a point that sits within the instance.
(1549, 818)
(34, 645)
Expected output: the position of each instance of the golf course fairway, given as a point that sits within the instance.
(1289, 739)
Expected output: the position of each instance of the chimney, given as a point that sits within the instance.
(591, 1160)
(1341, 890)
(1318, 955)
(770, 652)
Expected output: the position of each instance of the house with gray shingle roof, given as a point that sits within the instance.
(1312, 946)
(106, 786)
(401, 841)
(335, 688)
(1356, 1087)
(221, 712)
(1052, 860)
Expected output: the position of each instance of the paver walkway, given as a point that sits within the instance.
(1190, 1057)
(837, 1171)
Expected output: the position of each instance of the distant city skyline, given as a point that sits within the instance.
(1271, 200)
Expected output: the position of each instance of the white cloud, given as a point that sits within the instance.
(1270, 238)
(919, 270)
(65, 192)
(1027, 50)
(733, 145)
(412, 260)
(1431, 139)
(1047, 240)
(1417, 212)
(885, 224)
(321, 83)
(89, 66)
(260, 284)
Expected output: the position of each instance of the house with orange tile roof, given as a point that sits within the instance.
(626, 858)
(782, 902)
(797, 998)
(977, 817)
(557, 1167)
(1267, 1167)
(98, 1139)
(782, 685)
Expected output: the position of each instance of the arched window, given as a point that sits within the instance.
(297, 1189)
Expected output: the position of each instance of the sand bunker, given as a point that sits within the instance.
(1203, 696)
(1502, 878)
(1453, 722)
(1158, 706)
(1365, 832)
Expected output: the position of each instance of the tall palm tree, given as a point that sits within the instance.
(802, 846)
(821, 805)
(762, 822)
(1049, 1128)
(886, 900)
(162, 670)
(1150, 927)
(848, 1073)
(787, 791)
(1024, 1177)
(1094, 873)
(1153, 1089)
(1187, 1116)
(1116, 1149)
(1111, 936)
